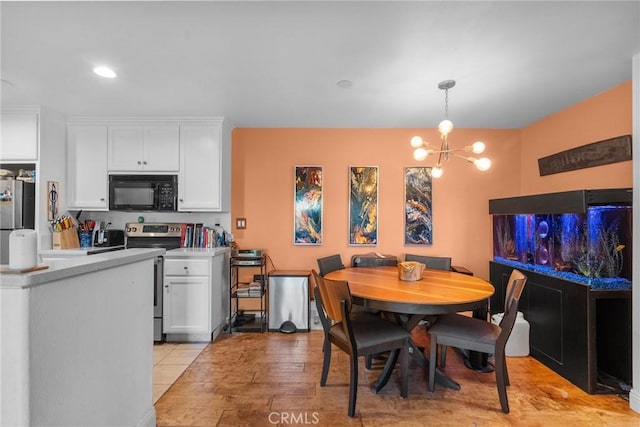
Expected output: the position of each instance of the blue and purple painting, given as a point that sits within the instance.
(418, 216)
(308, 205)
(363, 205)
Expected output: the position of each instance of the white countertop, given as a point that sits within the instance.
(59, 253)
(198, 252)
(72, 266)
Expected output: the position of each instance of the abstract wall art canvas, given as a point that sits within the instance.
(308, 205)
(418, 218)
(363, 205)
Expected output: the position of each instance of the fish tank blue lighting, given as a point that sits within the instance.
(593, 248)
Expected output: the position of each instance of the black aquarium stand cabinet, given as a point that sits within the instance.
(575, 247)
(581, 333)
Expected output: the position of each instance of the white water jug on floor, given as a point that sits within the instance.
(23, 249)
(518, 342)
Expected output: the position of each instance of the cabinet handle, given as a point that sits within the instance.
(139, 162)
(144, 163)
(181, 200)
(102, 199)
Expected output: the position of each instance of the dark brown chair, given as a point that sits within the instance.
(435, 262)
(326, 265)
(478, 335)
(329, 263)
(357, 336)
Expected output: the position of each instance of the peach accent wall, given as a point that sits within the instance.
(263, 183)
(603, 116)
(264, 160)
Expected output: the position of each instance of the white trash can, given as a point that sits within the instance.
(518, 342)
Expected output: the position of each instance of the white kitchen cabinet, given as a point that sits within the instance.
(144, 148)
(87, 179)
(186, 300)
(19, 134)
(204, 181)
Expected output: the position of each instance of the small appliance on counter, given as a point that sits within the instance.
(108, 237)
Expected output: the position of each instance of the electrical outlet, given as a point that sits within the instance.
(241, 223)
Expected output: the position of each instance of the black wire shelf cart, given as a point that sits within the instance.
(256, 289)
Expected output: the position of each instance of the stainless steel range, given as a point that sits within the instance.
(155, 235)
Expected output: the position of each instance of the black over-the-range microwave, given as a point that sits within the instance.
(143, 193)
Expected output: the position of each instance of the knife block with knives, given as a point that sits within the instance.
(66, 239)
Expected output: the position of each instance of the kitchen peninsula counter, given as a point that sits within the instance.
(74, 266)
(72, 335)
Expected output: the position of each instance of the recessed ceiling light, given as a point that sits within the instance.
(103, 71)
(345, 84)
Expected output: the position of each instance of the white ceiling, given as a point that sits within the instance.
(276, 64)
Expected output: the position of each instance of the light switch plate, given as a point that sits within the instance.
(241, 223)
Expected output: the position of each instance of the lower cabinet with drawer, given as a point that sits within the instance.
(195, 303)
(186, 308)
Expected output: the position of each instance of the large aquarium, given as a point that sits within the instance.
(583, 236)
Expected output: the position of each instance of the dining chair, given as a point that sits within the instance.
(329, 263)
(374, 259)
(435, 262)
(479, 335)
(357, 336)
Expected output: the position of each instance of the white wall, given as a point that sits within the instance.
(634, 395)
(52, 167)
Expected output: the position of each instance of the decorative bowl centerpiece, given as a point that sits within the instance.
(410, 271)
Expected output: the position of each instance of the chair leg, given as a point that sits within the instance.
(443, 355)
(500, 380)
(433, 360)
(326, 360)
(368, 361)
(506, 373)
(404, 370)
(353, 384)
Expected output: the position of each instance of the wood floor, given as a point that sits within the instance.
(269, 379)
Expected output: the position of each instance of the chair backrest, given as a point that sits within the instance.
(332, 293)
(322, 314)
(330, 263)
(517, 281)
(373, 259)
(435, 262)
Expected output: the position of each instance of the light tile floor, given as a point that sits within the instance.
(169, 362)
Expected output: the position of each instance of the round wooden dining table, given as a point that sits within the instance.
(437, 292)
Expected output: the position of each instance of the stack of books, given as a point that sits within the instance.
(197, 235)
(254, 289)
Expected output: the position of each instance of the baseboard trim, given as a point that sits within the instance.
(634, 400)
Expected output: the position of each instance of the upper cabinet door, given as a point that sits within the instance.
(144, 148)
(126, 148)
(199, 181)
(162, 148)
(87, 180)
(19, 136)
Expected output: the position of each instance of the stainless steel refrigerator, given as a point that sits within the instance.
(17, 210)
